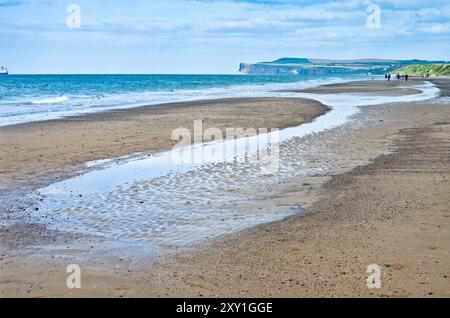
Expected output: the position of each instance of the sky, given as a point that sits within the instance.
(213, 36)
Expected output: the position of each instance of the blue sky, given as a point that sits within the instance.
(212, 36)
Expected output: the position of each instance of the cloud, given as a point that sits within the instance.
(10, 3)
(237, 22)
(438, 28)
(15, 3)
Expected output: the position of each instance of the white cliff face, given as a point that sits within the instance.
(244, 68)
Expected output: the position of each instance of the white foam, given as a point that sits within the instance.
(51, 100)
(22, 111)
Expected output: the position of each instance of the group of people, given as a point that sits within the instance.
(388, 77)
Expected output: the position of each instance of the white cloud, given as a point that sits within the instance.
(435, 27)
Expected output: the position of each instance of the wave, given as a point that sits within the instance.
(51, 100)
(48, 106)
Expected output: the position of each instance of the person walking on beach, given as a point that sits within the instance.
(389, 77)
(406, 77)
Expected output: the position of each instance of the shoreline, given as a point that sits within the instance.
(49, 151)
(110, 142)
(176, 276)
(74, 105)
(146, 212)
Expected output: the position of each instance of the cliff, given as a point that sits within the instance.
(305, 66)
(419, 70)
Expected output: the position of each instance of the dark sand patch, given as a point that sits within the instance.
(392, 88)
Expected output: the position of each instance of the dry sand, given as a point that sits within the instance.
(392, 211)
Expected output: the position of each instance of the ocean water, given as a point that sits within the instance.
(27, 98)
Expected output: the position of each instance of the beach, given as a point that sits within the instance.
(39, 153)
(376, 193)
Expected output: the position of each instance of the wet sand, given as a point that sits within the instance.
(384, 202)
(35, 154)
(386, 88)
(393, 212)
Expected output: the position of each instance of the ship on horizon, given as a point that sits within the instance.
(4, 70)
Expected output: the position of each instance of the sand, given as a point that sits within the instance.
(35, 154)
(386, 88)
(393, 213)
(384, 202)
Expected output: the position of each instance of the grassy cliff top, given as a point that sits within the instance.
(431, 69)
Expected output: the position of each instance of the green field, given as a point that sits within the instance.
(419, 70)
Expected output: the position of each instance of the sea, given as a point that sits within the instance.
(29, 98)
